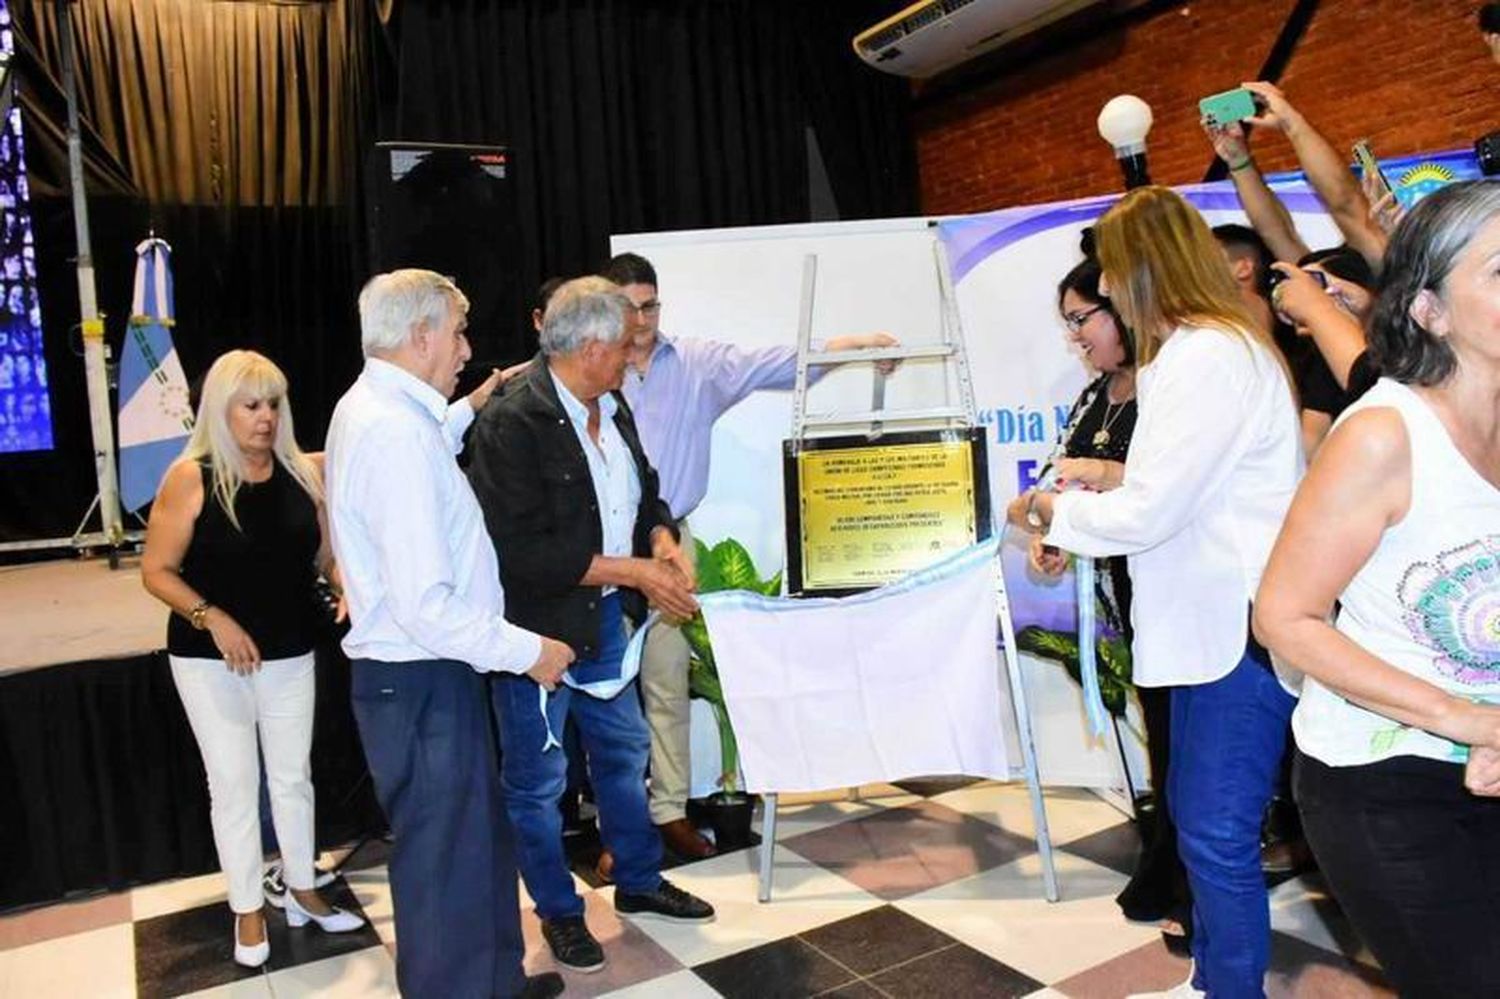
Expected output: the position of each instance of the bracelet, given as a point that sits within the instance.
(1248, 161)
(198, 615)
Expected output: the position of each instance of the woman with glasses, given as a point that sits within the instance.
(1212, 465)
(1091, 452)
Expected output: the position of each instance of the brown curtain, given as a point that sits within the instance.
(218, 102)
(232, 130)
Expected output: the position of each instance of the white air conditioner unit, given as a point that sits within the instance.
(929, 37)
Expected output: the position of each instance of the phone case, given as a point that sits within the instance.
(1230, 106)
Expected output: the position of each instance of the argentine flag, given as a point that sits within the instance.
(155, 417)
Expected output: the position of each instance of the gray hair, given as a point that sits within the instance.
(1423, 251)
(392, 305)
(584, 309)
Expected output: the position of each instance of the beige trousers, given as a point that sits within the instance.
(664, 687)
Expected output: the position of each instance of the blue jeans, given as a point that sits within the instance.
(617, 745)
(1228, 738)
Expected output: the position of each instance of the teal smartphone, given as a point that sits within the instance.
(1228, 107)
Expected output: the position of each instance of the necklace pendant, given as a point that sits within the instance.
(1101, 438)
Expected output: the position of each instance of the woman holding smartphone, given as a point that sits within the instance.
(1212, 466)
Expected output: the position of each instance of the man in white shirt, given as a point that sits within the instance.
(428, 621)
(585, 541)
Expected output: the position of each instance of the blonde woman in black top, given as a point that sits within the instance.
(236, 540)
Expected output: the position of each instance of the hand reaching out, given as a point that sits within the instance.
(1045, 559)
(1278, 111)
(1385, 210)
(1229, 141)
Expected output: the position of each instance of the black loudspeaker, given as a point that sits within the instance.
(452, 209)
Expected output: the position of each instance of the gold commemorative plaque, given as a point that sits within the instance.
(868, 512)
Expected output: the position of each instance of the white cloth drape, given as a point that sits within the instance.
(902, 681)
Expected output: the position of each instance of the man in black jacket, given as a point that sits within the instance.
(584, 541)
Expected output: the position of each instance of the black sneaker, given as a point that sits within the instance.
(543, 986)
(273, 886)
(572, 944)
(667, 902)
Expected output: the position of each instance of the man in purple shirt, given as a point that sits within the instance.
(678, 388)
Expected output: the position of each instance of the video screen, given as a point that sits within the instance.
(25, 402)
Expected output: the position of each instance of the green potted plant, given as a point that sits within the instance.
(725, 566)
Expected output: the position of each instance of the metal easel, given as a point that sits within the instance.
(874, 422)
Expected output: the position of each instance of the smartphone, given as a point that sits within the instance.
(1368, 167)
(1228, 107)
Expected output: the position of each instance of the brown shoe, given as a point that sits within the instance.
(683, 839)
(604, 870)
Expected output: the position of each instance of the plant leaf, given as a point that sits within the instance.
(710, 577)
(704, 682)
(695, 631)
(735, 566)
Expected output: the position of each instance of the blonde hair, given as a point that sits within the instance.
(1165, 269)
(244, 374)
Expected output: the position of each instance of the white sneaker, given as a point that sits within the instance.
(1182, 991)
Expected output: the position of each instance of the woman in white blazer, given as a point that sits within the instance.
(1212, 467)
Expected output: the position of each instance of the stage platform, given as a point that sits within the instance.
(102, 781)
(73, 610)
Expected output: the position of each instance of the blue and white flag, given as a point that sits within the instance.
(155, 417)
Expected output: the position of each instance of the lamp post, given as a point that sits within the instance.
(1124, 122)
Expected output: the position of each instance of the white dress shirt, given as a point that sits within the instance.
(419, 570)
(1212, 467)
(617, 482)
(457, 420)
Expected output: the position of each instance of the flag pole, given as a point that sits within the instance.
(95, 350)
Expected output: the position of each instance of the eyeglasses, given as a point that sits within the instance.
(645, 309)
(1074, 320)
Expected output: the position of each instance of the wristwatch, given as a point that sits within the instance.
(1032, 517)
(199, 615)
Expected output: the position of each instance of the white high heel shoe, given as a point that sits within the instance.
(250, 955)
(337, 921)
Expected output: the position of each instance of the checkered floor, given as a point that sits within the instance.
(922, 889)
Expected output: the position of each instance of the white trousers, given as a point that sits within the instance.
(225, 710)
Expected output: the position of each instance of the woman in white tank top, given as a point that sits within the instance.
(1398, 729)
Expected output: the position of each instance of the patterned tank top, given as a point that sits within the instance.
(1427, 601)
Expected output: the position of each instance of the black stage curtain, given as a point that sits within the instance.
(238, 128)
(236, 131)
(633, 116)
(103, 784)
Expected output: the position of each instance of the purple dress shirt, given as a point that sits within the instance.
(687, 386)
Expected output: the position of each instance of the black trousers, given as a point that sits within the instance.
(426, 732)
(1414, 859)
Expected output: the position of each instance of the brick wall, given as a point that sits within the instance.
(1410, 75)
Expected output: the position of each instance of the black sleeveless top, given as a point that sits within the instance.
(261, 574)
(1102, 429)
